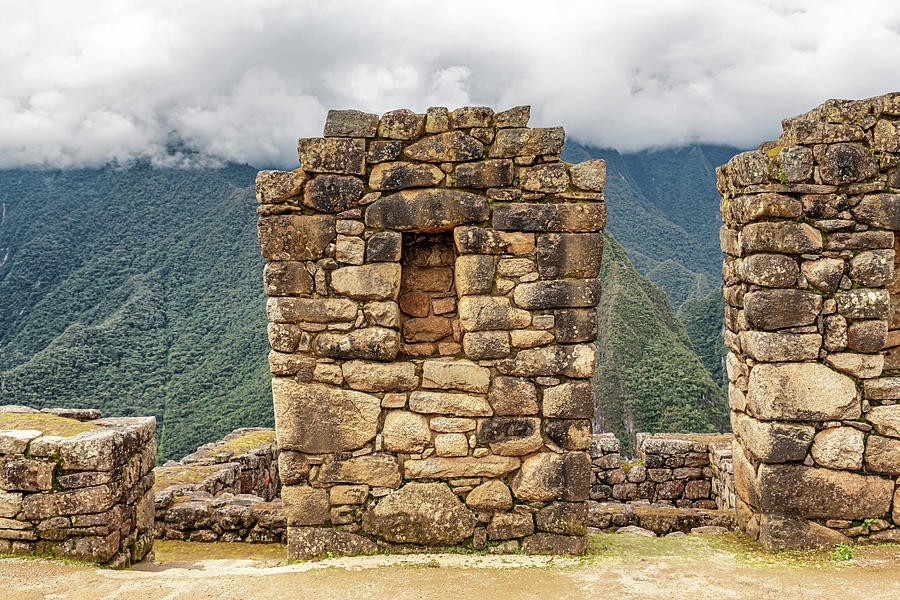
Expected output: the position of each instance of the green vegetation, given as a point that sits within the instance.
(703, 320)
(842, 552)
(47, 423)
(243, 443)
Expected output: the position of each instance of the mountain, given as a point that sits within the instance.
(648, 378)
(136, 291)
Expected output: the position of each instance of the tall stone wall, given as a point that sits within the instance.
(432, 290)
(811, 288)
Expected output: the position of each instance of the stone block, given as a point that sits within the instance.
(879, 210)
(778, 308)
(569, 434)
(485, 345)
(491, 496)
(333, 155)
(96, 450)
(577, 360)
(801, 392)
(549, 476)
(376, 470)
(782, 236)
(18, 473)
(872, 268)
(350, 123)
(384, 246)
(478, 240)
(437, 119)
(400, 175)
(824, 273)
(383, 150)
(428, 514)
(570, 400)
(275, 187)
(575, 325)
(474, 274)
(548, 178)
(305, 543)
(779, 533)
(864, 303)
(304, 505)
(285, 278)
(15, 441)
(93, 499)
(886, 419)
(471, 116)
(506, 526)
(862, 366)
(427, 210)
(378, 281)
(569, 255)
(839, 448)
(867, 336)
(484, 174)
(369, 376)
(566, 293)
(882, 455)
(776, 347)
(481, 313)
(455, 375)
(589, 175)
(511, 435)
(773, 441)
(348, 494)
(293, 467)
(513, 396)
(538, 141)
(769, 270)
(405, 432)
(370, 343)
(310, 310)
(847, 163)
(451, 444)
(427, 329)
(436, 467)
(333, 193)
(443, 403)
(401, 124)
(295, 237)
(452, 146)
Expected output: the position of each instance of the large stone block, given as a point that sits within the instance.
(480, 313)
(401, 124)
(886, 419)
(513, 396)
(377, 281)
(370, 343)
(350, 123)
(569, 400)
(511, 435)
(15, 441)
(882, 455)
(547, 177)
(569, 255)
(550, 476)
(839, 448)
(569, 434)
(313, 310)
(485, 174)
(452, 146)
(575, 325)
(442, 403)
(285, 278)
(79, 501)
(521, 216)
(305, 543)
(773, 441)
(428, 209)
(369, 376)
(295, 237)
(782, 236)
(858, 365)
(779, 533)
(566, 293)
(847, 163)
(474, 274)
(775, 347)
(801, 392)
(400, 175)
(455, 375)
(864, 303)
(333, 155)
(484, 345)
(769, 270)
(507, 526)
(304, 505)
(589, 175)
(405, 432)
(479, 240)
(436, 467)
(22, 474)
(879, 210)
(492, 495)
(97, 450)
(872, 268)
(824, 273)
(778, 308)
(797, 490)
(376, 470)
(316, 418)
(420, 513)
(471, 116)
(333, 193)
(275, 187)
(538, 141)
(571, 360)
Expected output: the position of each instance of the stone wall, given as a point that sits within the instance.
(77, 486)
(810, 234)
(432, 290)
(226, 490)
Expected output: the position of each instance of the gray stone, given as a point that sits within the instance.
(305, 543)
(760, 206)
(333, 193)
(22, 474)
(570, 400)
(777, 308)
(480, 313)
(420, 513)
(275, 187)
(436, 467)
(864, 303)
(312, 310)
(484, 174)
(538, 141)
(779, 533)
(839, 448)
(549, 476)
(879, 210)
(575, 325)
(569, 255)
(378, 281)
(442, 403)
(514, 117)
(399, 175)
(401, 124)
(315, 418)
(471, 116)
(511, 435)
(772, 347)
(490, 496)
(589, 175)
(873, 268)
(474, 274)
(370, 343)
(769, 270)
(304, 505)
(427, 210)
(70, 502)
(576, 360)
(380, 377)
(547, 177)
(455, 375)
(847, 163)
(405, 432)
(566, 293)
(484, 345)
(478, 240)
(506, 526)
(513, 396)
(795, 163)
(437, 119)
(801, 392)
(453, 146)
(96, 450)
(824, 273)
(384, 246)
(295, 237)
(783, 236)
(862, 366)
(376, 470)
(284, 278)
(350, 123)
(15, 441)
(333, 155)
(867, 336)
(564, 518)
(383, 150)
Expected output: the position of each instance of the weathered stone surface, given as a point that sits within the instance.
(455, 375)
(520, 216)
(480, 313)
(549, 476)
(275, 187)
(879, 210)
(773, 347)
(370, 343)
(442, 403)
(478, 240)
(451, 444)
(514, 117)
(569, 255)
(287, 279)
(70, 502)
(293, 468)
(446, 468)
(380, 377)
(569, 434)
(427, 329)
(886, 419)
(759, 206)
(795, 163)
(847, 163)
(24, 474)
(538, 141)
(385, 314)
(452, 424)
(824, 273)
(350, 123)
(873, 268)
(862, 240)
(399, 175)
(295, 237)
(867, 336)
(887, 136)
(566, 293)
(333, 193)
(15, 441)
(801, 491)
(471, 116)
(529, 338)
(437, 119)
(291, 364)
(801, 392)
(318, 310)
(349, 249)
(782, 236)
(384, 246)
(96, 450)
(316, 418)
(305, 543)
(548, 178)
(589, 175)
(420, 513)
(778, 308)
(490, 496)
(348, 494)
(513, 396)
(748, 168)
(835, 337)
(11, 503)
(430, 209)
(376, 470)
(333, 155)
(570, 400)
(304, 505)
(453, 146)
(575, 325)
(858, 365)
(864, 303)
(406, 432)
(565, 518)
(401, 124)
(484, 345)
(548, 543)
(778, 533)
(507, 526)
(484, 174)
(882, 455)
(383, 150)
(839, 448)
(379, 281)
(474, 274)
(571, 360)
(511, 435)
(769, 270)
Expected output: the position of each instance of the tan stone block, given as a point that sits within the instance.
(452, 424)
(839, 448)
(399, 175)
(304, 505)
(511, 435)
(451, 444)
(401, 124)
(490, 496)
(442, 403)
(405, 431)
(427, 329)
(446, 467)
(772, 441)
(455, 375)
(474, 274)
(348, 494)
(295, 237)
(862, 366)
(801, 392)
(479, 313)
(882, 455)
(420, 513)
(886, 419)
(483, 345)
(376, 470)
(376, 281)
(380, 377)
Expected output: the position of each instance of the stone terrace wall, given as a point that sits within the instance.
(76, 486)
(432, 290)
(810, 234)
(225, 491)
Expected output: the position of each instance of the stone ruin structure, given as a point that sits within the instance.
(813, 326)
(74, 485)
(432, 283)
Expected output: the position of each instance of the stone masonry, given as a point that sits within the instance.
(813, 326)
(77, 486)
(432, 283)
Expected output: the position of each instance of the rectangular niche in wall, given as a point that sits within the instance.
(429, 324)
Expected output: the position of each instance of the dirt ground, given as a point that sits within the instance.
(617, 566)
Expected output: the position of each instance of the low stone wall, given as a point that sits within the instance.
(224, 491)
(77, 486)
(723, 491)
(672, 469)
(607, 517)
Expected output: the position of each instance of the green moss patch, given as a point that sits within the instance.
(245, 443)
(48, 423)
(177, 551)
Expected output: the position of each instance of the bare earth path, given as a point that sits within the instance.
(619, 567)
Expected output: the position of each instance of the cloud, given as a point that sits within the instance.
(86, 83)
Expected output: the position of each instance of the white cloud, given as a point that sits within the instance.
(84, 83)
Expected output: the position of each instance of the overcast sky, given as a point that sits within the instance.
(83, 83)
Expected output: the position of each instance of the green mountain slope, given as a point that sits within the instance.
(702, 319)
(649, 377)
(136, 291)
